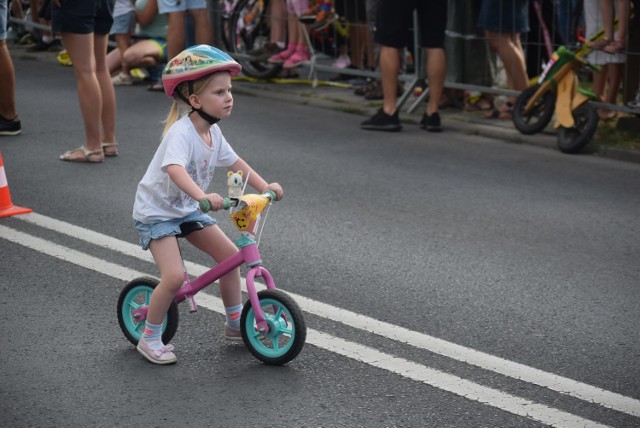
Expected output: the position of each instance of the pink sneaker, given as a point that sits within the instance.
(297, 59)
(163, 355)
(232, 333)
(343, 61)
(281, 57)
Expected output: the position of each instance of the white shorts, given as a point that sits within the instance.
(169, 6)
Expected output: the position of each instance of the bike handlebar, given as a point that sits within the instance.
(227, 203)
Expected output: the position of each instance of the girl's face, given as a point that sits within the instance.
(215, 98)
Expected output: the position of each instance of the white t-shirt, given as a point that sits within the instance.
(158, 198)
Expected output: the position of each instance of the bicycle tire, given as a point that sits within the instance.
(247, 32)
(134, 295)
(539, 116)
(287, 328)
(573, 140)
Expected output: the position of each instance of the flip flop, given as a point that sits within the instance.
(67, 156)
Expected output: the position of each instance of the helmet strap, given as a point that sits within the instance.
(210, 119)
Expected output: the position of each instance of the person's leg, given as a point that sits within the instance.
(510, 52)
(108, 95)
(80, 48)
(166, 254)
(606, 9)
(144, 54)
(7, 83)
(175, 34)
(292, 28)
(122, 42)
(202, 25)
(622, 13)
(389, 68)
(619, 41)
(608, 82)
(600, 82)
(114, 62)
(213, 241)
(278, 21)
(436, 71)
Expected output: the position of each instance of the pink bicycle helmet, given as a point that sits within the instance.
(196, 62)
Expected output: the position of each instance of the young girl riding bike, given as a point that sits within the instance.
(176, 181)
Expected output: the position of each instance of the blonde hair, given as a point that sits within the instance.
(179, 106)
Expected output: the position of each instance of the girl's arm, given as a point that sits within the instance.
(183, 180)
(255, 180)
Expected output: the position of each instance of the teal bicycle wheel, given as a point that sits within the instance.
(136, 295)
(287, 329)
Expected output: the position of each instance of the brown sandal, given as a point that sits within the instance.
(90, 156)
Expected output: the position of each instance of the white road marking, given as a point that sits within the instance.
(499, 365)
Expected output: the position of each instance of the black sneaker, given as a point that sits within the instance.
(10, 127)
(431, 123)
(40, 46)
(381, 121)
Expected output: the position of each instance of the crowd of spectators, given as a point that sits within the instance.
(486, 44)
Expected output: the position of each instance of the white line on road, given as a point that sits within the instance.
(408, 369)
(466, 355)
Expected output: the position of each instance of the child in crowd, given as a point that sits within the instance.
(177, 179)
(297, 52)
(124, 24)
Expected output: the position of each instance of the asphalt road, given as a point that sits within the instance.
(447, 279)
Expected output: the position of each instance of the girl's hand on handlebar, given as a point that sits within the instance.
(216, 201)
(276, 188)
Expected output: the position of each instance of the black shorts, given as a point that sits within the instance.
(351, 10)
(395, 19)
(82, 16)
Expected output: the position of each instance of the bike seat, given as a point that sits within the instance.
(189, 226)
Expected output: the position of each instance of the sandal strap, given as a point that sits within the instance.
(86, 152)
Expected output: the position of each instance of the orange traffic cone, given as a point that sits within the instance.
(6, 206)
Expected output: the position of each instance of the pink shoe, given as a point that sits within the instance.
(281, 57)
(297, 59)
(160, 356)
(232, 333)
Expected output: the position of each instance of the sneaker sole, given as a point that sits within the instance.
(387, 128)
(295, 64)
(10, 133)
(154, 360)
(233, 338)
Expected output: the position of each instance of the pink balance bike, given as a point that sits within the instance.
(272, 324)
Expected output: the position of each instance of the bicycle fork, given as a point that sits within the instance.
(261, 322)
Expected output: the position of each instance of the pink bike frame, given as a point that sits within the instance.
(248, 255)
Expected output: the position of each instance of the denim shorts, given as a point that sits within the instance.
(504, 16)
(165, 228)
(124, 24)
(169, 6)
(4, 7)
